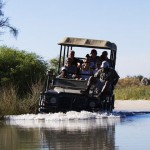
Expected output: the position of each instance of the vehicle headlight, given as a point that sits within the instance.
(53, 100)
(92, 104)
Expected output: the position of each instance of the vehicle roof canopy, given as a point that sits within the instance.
(90, 43)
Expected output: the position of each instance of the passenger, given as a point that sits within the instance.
(92, 65)
(85, 70)
(74, 60)
(112, 62)
(103, 58)
(105, 53)
(94, 58)
(79, 65)
(70, 68)
(63, 74)
(104, 79)
(98, 66)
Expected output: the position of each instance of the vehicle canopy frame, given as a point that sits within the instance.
(68, 43)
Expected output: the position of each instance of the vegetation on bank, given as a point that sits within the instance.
(23, 77)
(13, 104)
(20, 76)
(130, 88)
(21, 68)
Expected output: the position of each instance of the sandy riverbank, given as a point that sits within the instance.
(132, 104)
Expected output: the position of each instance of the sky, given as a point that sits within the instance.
(44, 23)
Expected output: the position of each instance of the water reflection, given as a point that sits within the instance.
(72, 134)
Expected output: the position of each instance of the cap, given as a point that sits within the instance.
(93, 51)
(63, 68)
(104, 64)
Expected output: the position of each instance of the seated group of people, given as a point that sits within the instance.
(83, 69)
(94, 69)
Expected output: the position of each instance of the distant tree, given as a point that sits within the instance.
(21, 68)
(4, 22)
(139, 77)
(128, 76)
(54, 64)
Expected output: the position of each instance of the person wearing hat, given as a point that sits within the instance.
(94, 58)
(104, 58)
(104, 79)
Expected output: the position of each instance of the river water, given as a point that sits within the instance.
(76, 131)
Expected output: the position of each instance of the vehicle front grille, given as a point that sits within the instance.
(69, 102)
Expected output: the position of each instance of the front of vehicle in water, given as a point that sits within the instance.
(63, 94)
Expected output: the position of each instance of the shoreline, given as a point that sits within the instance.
(132, 104)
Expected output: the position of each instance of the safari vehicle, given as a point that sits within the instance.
(63, 94)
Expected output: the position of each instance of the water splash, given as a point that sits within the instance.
(74, 115)
(71, 115)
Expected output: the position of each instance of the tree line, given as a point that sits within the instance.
(21, 68)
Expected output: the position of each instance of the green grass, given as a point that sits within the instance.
(130, 89)
(132, 93)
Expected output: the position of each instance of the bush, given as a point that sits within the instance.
(129, 88)
(20, 68)
(128, 82)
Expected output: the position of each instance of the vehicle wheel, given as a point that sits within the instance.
(109, 107)
(113, 100)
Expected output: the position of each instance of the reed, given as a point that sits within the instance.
(130, 89)
(13, 104)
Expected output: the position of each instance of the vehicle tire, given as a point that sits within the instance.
(113, 100)
(109, 107)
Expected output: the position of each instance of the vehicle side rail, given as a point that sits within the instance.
(67, 87)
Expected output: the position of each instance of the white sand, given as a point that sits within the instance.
(132, 104)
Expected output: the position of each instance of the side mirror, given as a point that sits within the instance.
(49, 79)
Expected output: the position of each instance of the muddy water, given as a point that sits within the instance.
(110, 132)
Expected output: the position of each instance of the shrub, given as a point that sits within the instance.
(128, 82)
(20, 68)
